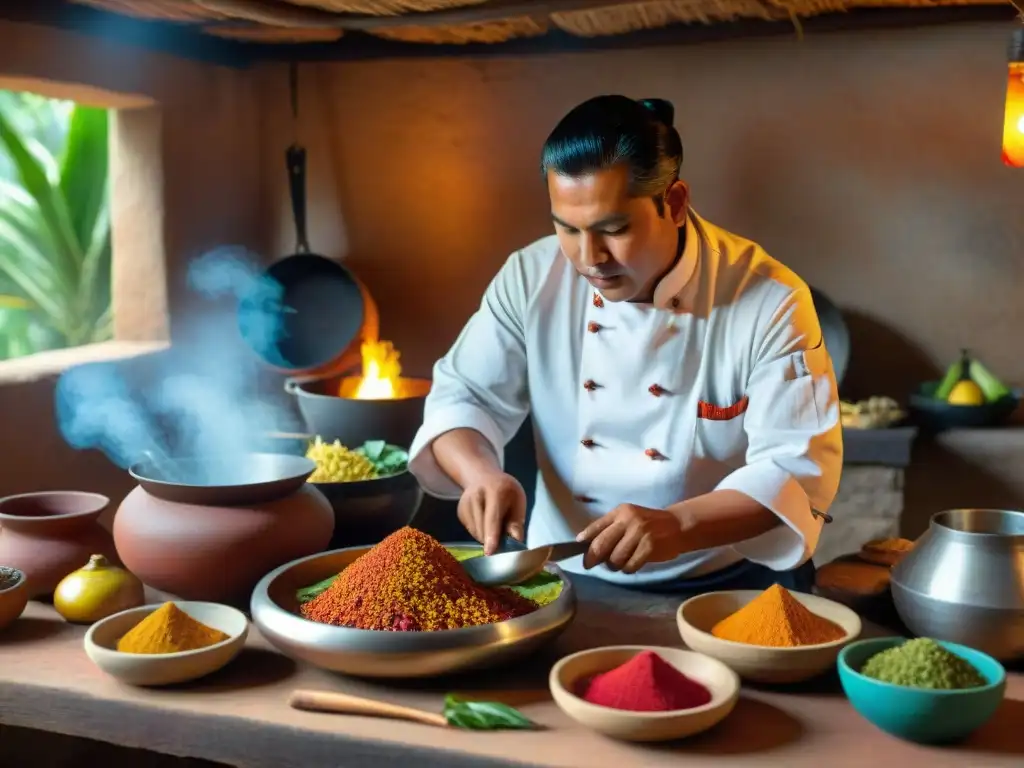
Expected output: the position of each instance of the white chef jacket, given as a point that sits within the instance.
(722, 382)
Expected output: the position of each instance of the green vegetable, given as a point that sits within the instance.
(483, 715)
(953, 374)
(922, 663)
(386, 459)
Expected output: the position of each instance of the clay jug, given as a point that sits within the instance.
(48, 535)
(218, 553)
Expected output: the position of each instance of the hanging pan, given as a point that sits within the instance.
(835, 332)
(308, 309)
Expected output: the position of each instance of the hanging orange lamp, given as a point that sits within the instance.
(1013, 121)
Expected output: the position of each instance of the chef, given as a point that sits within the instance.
(684, 406)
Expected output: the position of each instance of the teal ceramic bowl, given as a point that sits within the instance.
(918, 714)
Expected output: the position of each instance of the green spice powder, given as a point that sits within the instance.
(922, 663)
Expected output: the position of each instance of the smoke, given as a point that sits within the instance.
(205, 400)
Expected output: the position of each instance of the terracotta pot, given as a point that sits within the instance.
(48, 535)
(218, 554)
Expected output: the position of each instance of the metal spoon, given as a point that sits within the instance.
(516, 567)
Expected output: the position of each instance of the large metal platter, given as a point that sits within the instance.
(365, 653)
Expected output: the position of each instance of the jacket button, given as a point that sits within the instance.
(587, 442)
(598, 301)
(657, 390)
(654, 454)
(590, 385)
(584, 499)
(593, 327)
(675, 303)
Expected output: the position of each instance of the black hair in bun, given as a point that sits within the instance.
(607, 130)
(662, 109)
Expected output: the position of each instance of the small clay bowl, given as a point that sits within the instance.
(13, 600)
(758, 663)
(166, 668)
(573, 670)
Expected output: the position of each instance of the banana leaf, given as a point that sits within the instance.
(39, 180)
(55, 240)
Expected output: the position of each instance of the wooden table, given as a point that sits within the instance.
(240, 716)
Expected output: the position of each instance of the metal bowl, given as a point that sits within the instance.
(963, 582)
(220, 481)
(367, 653)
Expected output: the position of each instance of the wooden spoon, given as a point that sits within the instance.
(344, 704)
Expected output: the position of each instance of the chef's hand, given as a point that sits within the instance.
(493, 504)
(630, 536)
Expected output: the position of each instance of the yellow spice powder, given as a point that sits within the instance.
(169, 630)
(776, 619)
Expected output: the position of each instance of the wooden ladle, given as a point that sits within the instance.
(344, 704)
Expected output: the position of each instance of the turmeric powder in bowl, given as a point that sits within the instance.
(776, 619)
(169, 630)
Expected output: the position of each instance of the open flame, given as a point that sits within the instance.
(381, 377)
(381, 371)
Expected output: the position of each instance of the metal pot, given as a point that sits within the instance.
(366, 511)
(356, 421)
(964, 581)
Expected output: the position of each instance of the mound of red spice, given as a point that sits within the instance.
(410, 582)
(645, 683)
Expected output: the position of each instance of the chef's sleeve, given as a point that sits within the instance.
(481, 383)
(794, 434)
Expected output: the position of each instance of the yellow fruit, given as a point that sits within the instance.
(97, 590)
(966, 393)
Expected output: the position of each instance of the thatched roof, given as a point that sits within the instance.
(449, 22)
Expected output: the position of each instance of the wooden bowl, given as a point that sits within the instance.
(166, 668)
(572, 670)
(758, 663)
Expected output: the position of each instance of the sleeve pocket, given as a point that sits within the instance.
(809, 362)
(709, 412)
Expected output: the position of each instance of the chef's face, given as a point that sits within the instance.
(621, 244)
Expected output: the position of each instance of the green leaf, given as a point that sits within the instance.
(484, 715)
(27, 229)
(84, 169)
(14, 302)
(544, 588)
(306, 594)
(386, 459)
(37, 287)
(55, 238)
(18, 332)
(48, 196)
(374, 449)
(94, 288)
(465, 554)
